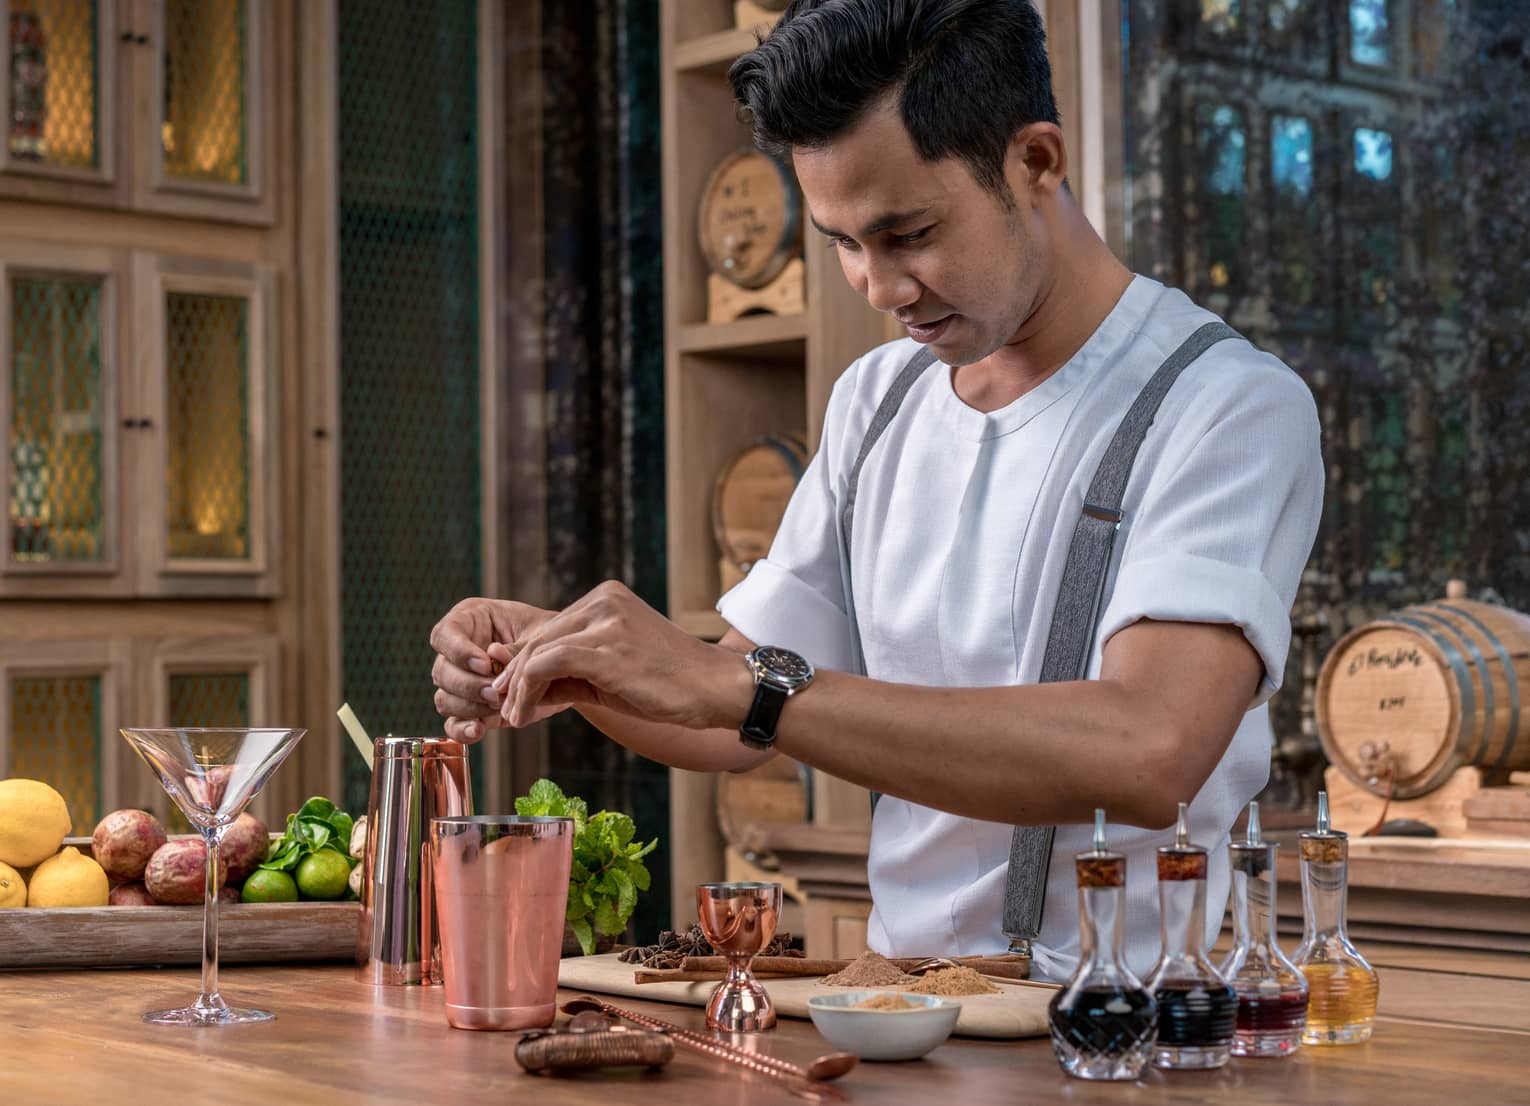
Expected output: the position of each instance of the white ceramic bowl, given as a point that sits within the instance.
(883, 1034)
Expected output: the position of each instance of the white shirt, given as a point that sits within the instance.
(963, 521)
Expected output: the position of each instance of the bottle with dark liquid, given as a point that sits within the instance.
(1341, 1007)
(1103, 1022)
(1272, 994)
(1196, 1007)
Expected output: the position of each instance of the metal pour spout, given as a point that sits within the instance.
(1254, 837)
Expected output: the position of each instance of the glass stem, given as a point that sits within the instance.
(210, 999)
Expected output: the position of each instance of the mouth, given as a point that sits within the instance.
(929, 331)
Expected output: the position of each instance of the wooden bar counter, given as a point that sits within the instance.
(1451, 1031)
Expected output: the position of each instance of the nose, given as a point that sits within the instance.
(883, 281)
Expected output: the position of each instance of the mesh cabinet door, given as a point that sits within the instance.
(58, 723)
(59, 384)
(209, 478)
(210, 96)
(59, 80)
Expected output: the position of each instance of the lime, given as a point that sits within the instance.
(324, 875)
(267, 885)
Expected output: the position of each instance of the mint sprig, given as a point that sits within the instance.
(608, 870)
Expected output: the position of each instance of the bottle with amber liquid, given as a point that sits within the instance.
(1196, 1007)
(1341, 1009)
(1103, 1022)
(1272, 993)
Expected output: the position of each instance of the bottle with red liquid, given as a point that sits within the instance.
(1272, 993)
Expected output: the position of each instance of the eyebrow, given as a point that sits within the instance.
(876, 226)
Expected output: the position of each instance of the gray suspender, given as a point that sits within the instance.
(1076, 616)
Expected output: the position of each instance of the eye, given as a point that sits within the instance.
(839, 242)
(913, 236)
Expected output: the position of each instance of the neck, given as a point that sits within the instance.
(1085, 284)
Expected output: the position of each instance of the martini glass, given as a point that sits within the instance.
(212, 774)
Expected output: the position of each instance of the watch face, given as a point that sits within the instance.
(783, 665)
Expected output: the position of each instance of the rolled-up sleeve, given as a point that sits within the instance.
(1224, 526)
(794, 597)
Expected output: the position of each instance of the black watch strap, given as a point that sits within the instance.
(759, 728)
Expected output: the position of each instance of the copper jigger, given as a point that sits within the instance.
(739, 919)
(501, 884)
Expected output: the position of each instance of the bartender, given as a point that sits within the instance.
(898, 632)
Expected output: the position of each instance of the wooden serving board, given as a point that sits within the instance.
(1016, 1011)
(126, 936)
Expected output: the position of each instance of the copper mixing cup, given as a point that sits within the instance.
(501, 885)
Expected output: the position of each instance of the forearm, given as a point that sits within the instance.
(710, 750)
(1032, 755)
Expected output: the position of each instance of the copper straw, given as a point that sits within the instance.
(794, 1076)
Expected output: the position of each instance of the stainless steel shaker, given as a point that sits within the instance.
(414, 779)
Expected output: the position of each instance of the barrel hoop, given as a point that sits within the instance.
(1487, 682)
(1510, 677)
(1457, 663)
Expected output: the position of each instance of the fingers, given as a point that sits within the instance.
(465, 730)
(450, 706)
(574, 659)
(457, 637)
(463, 686)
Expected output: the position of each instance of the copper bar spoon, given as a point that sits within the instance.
(810, 1080)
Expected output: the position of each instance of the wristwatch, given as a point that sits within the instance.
(778, 675)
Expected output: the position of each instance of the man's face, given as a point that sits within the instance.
(924, 241)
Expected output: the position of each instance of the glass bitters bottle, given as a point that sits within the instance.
(1103, 1022)
(1196, 1007)
(1341, 1008)
(1272, 993)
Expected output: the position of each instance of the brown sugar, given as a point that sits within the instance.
(953, 981)
(870, 969)
(893, 1003)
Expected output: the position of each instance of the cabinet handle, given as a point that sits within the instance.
(126, 36)
(145, 424)
(142, 40)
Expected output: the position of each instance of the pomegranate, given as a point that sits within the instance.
(177, 872)
(244, 846)
(123, 842)
(130, 894)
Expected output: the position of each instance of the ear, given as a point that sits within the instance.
(1038, 160)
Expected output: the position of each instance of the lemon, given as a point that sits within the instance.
(68, 879)
(34, 820)
(13, 889)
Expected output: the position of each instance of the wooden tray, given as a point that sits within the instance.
(128, 936)
(125, 936)
(1015, 1011)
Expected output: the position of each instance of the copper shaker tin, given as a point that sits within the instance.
(501, 885)
(414, 779)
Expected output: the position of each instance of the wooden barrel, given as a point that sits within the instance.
(1427, 690)
(750, 218)
(751, 494)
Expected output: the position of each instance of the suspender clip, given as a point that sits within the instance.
(1104, 514)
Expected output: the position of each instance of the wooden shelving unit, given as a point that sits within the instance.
(729, 383)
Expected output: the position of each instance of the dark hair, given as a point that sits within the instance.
(968, 74)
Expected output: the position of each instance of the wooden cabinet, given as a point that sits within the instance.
(727, 384)
(138, 475)
(155, 105)
(61, 703)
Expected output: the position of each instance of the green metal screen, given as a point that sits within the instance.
(207, 475)
(205, 126)
(55, 735)
(55, 496)
(54, 87)
(409, 332)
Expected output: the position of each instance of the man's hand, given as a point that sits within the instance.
(471, 646)
(612, 650)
